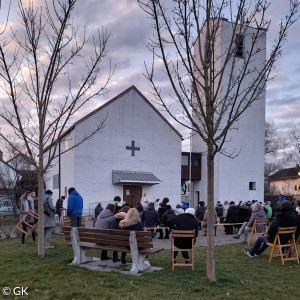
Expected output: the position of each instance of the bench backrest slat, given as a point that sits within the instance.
(114, 237)
(105, 242)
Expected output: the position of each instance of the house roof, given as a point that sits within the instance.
(285, 174)
(107, 104)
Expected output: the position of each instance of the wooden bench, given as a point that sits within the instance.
(138, 243)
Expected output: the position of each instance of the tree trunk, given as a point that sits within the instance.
(41, 247)
(210, 260)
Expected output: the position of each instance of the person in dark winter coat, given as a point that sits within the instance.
(257, 214)
(199, 213)
(186, 221)
(219, 210)
(150, 217)
(244, 212)
(286, 217)
(59, 206)
(162, 209)
(98, 210)
(140, 209)
(231, 217)
(131, 221)
(74, 208)
(107, 220)
(164, 221)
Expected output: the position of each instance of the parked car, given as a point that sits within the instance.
(6, 206)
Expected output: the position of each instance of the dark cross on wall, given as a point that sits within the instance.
(133, 148)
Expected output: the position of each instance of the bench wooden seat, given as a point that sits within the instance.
(138, 243)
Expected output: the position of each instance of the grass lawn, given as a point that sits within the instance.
(238, 276)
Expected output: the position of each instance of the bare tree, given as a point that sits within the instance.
(39, 68)
(295, 144)
(211, 96)
(273, 142)
(276, 156)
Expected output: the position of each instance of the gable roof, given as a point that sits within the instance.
(285, 174)
(107, 104)
(119, 96)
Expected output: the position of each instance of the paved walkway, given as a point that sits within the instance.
(220, 239)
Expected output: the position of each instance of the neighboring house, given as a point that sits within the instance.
(138, 151)
(241, 178)
(286, 182)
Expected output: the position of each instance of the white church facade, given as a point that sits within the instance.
(136, 152)
(241, 177)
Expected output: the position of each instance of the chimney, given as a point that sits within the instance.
(1, 155)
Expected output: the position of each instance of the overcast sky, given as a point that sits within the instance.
(130, 30)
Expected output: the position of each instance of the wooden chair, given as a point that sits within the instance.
(254, 229)
(31, 228)
(297, 244)
(287, 255)
(182, 262)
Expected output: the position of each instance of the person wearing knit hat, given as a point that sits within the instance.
(186, 221)
(190, 210)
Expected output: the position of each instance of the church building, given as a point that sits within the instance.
(240, 177)
(137, 151)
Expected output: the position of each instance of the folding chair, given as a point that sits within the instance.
(297, 244)
(254, 229)
(31, 227)
(288, 254)
(182, 262)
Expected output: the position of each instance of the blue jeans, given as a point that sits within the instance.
(76, 220)
(260, 245)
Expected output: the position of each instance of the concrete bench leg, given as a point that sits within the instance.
(79, 253)
(139, 262)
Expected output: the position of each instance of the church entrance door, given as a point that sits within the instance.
(132, 194)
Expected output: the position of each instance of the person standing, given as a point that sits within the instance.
(150, 218)
(199, 213)
(74, 209)
(26, 204)
(49, 218)
(59, 206)
(144, 199)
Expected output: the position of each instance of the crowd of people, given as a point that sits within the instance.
(145, 215)
(239, 218)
